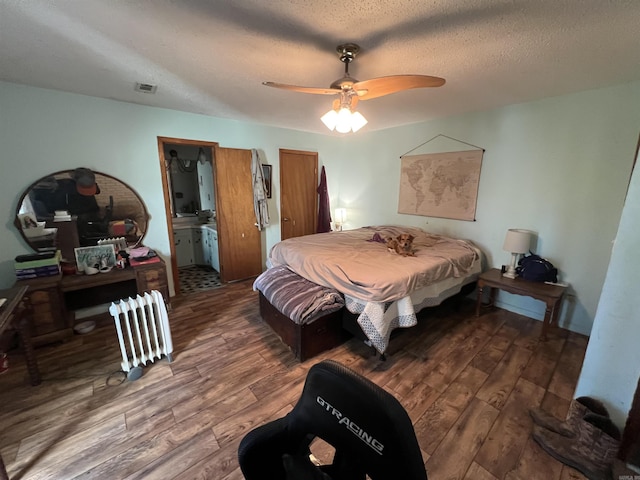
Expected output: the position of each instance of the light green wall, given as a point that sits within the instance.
(559, 166)
(43, 131)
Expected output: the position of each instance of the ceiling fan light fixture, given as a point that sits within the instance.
(351, 91)
(344, 120)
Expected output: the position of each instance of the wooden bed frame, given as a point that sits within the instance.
(305, 341)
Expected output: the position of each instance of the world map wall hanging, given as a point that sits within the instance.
(443, 185)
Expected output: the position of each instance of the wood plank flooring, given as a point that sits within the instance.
(466, 382)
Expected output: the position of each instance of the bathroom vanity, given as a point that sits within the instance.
(196, 244)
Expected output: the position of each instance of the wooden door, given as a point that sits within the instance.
(239, 240)
(298, 193)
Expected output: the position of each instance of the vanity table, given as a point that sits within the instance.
(99, 207)
(54, 300)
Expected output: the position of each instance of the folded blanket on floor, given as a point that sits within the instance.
(295, 297)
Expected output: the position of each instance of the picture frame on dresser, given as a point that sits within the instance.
(100, 255)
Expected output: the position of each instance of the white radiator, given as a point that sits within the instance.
(143, 330)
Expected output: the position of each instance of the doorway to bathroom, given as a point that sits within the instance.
(210, 216)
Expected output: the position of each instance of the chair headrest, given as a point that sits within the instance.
(357, 416)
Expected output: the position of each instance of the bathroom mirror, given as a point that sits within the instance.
(77, 208)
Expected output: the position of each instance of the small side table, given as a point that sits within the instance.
(551, 295)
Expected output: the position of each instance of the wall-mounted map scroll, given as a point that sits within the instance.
(441, 185)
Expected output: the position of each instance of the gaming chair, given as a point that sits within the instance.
(370, 430)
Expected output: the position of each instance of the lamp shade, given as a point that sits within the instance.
(330, 119)
(357, 121)
(343, 123)
(340, 215)
(517, 241)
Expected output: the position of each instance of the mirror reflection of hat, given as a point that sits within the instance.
(85, 181)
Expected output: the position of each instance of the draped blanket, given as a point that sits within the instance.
(297, 298)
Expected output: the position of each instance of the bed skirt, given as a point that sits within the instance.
(306, 340)
(352, 320)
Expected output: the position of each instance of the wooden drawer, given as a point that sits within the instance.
(153, 277)
(49, 319)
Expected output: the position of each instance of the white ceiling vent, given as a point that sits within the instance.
(146, 88)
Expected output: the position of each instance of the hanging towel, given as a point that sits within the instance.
(259, 191)
(324, 210)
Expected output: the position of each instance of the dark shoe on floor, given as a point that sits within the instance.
(577, 410)
(591, 450)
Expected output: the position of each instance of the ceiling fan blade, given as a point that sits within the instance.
(295, 88)
(378, 87)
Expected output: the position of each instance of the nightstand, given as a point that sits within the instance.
(551, 295)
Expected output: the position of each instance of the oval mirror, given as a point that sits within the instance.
(78, 208)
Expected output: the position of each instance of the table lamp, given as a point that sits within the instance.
(339, 218)
(517, 242)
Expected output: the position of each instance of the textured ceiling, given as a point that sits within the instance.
(211, 57)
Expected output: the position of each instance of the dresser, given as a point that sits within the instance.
(54, 300)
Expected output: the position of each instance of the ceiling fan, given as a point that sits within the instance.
(351, 90)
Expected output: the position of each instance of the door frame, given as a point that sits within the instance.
(167, 195)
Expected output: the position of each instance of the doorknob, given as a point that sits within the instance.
(285, 219)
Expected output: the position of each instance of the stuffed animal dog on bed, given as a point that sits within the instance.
(402, 245)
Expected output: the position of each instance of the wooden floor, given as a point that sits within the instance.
(466, 382)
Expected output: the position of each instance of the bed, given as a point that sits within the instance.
(383, 289)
